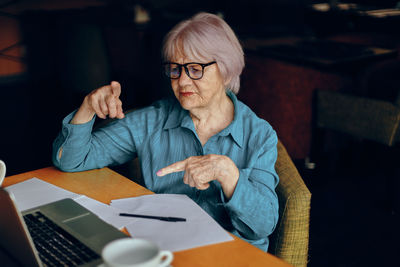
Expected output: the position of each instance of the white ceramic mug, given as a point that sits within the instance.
(135, 252)
(2, 171)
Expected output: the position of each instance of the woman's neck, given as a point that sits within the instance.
(212, 119)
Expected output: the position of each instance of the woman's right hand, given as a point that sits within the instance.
(102, 102)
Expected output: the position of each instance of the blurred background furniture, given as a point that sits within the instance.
(375, 115)
(370, 112)
(362, 117)
(291, 237)
(370, 115)
(282, 74)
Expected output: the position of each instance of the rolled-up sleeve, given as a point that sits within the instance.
(78, 148)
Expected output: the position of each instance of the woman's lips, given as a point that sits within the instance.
(186, 93)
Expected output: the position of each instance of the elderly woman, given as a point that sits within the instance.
(204, 143)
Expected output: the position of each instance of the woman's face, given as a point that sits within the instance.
(202, 93)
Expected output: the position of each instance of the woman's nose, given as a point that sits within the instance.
(184, 79)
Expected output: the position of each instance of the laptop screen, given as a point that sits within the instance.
(14, 235)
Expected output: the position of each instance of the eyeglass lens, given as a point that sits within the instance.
(193, 70)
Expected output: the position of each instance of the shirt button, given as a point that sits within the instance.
(197, 193)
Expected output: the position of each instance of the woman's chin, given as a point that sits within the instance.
(187, 104)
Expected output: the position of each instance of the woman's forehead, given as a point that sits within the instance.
(186, 59)
(180, 56)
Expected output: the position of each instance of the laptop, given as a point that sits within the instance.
(58, 233)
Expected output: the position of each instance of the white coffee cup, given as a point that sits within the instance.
(135, 252)
(2, 171)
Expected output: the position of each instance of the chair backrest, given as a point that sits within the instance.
(291, 236)
(362, 117)
(369, 111)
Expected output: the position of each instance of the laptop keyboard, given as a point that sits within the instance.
(56, 247)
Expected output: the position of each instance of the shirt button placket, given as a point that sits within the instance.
(200, 150)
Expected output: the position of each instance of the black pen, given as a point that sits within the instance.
(168, 219)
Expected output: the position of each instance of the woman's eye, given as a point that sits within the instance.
(194, 69)
(174, 70)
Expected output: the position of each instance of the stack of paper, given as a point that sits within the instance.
(199, 229)
(35, 192)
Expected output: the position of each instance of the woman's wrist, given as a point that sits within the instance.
(229, 178)
(83, 115)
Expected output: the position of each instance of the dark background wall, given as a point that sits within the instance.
(56, 52)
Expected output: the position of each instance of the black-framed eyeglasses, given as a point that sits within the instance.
(194, 70)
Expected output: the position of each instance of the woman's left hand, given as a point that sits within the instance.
(200, 170)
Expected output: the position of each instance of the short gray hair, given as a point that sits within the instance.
(208, 37)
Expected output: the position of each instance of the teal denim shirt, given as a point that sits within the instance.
(164, 133)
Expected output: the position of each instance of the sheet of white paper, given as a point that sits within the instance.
(105, 212)
(200, 229)
(35, 192)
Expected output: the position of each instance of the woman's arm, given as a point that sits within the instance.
(103, 102)
(248, 194)
(76, 148)
(253, 208)
(201, 170)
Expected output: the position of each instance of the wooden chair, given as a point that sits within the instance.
(291, 236)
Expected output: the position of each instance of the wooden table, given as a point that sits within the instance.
(105, 185)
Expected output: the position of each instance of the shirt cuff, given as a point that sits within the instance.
(75, 135)
(238, 197)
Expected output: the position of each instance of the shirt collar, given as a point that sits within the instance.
(180, 117)
(177, 117)
(235, 128)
